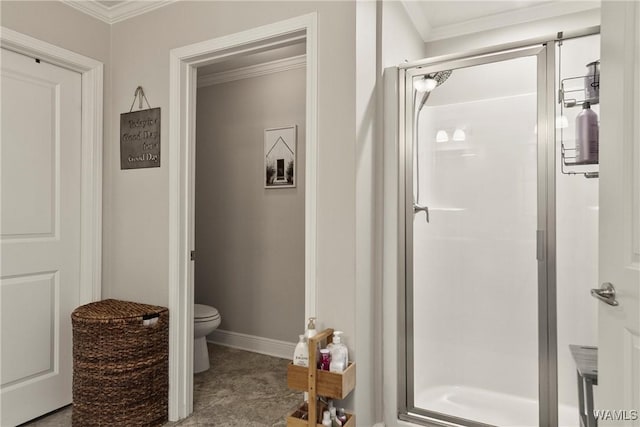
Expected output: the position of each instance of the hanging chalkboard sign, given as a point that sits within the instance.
(140, 137)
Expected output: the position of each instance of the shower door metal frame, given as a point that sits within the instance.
(545, 233)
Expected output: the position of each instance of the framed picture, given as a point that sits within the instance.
(280, 157)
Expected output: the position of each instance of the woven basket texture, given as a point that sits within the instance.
(120, 365)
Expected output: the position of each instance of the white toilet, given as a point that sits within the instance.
(205, 320)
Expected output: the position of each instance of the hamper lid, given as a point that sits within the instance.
(111, 309)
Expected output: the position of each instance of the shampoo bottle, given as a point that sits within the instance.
(587, 135)
(301, 353)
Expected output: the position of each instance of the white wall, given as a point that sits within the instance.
(367, 213)
(577, 235)
(399, 42)
(250, 240)
(399, 39)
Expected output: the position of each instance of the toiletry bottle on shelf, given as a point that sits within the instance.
(335, 422)
(325, 359)
(592, 83)
(339, 353)
(587, 135)
(342, 416)
(311, 332)
(301, 353)
(326, 420)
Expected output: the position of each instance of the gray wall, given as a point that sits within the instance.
(136, 202)
(138, 224)
(250, 240)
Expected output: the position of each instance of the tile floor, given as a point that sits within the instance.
(242, 389)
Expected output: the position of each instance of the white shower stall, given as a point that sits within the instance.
(500, 245)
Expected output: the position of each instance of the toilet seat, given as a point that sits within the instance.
(204, 313)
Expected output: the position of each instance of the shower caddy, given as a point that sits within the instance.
(316, 382)
(573, 93)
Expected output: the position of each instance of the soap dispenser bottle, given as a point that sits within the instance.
(311, 327)
(587, 135)
(311, 332)
(339, 353)
(301, 353)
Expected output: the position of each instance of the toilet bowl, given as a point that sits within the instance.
(205, 320)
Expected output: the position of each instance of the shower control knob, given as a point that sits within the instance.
(606, 294)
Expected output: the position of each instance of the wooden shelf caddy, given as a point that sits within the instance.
(328, 384)
(295, 419)
(316, 382)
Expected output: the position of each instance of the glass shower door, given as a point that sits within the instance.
(472, 215)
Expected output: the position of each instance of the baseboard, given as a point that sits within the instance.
(252, 343)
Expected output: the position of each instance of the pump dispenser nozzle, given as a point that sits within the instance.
(312, 323)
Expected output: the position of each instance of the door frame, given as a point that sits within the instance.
(183, 62)
(91, 72)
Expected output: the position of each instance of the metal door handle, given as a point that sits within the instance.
(606, 294)
(420, 208)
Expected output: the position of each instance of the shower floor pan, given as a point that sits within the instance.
(489, 407)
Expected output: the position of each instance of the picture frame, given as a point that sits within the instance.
(280, 157)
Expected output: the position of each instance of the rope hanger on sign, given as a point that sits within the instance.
(139, 93)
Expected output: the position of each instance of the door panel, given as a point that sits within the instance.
(619, 326)
(30, 206)
(472, 257)
(40, 234)
(27, 346)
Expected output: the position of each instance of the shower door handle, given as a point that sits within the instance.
(420, 208)
(606, 294)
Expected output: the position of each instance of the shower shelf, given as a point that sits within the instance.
(316, 382)
(575, 96)
(572, 94)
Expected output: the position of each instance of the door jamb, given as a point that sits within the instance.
(91, 149)
(183, 84)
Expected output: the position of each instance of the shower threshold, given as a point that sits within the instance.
(489, 407)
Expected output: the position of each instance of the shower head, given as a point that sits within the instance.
(431, 81)
(440, 76)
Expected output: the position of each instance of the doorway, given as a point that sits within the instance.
(184, 63)
(249, 222)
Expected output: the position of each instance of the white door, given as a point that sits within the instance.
(618, 391)
(39, 234)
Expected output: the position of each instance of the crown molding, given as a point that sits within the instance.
(118, 12)
(499, 20)
(257, 70)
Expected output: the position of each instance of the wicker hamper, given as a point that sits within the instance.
(120, 364)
